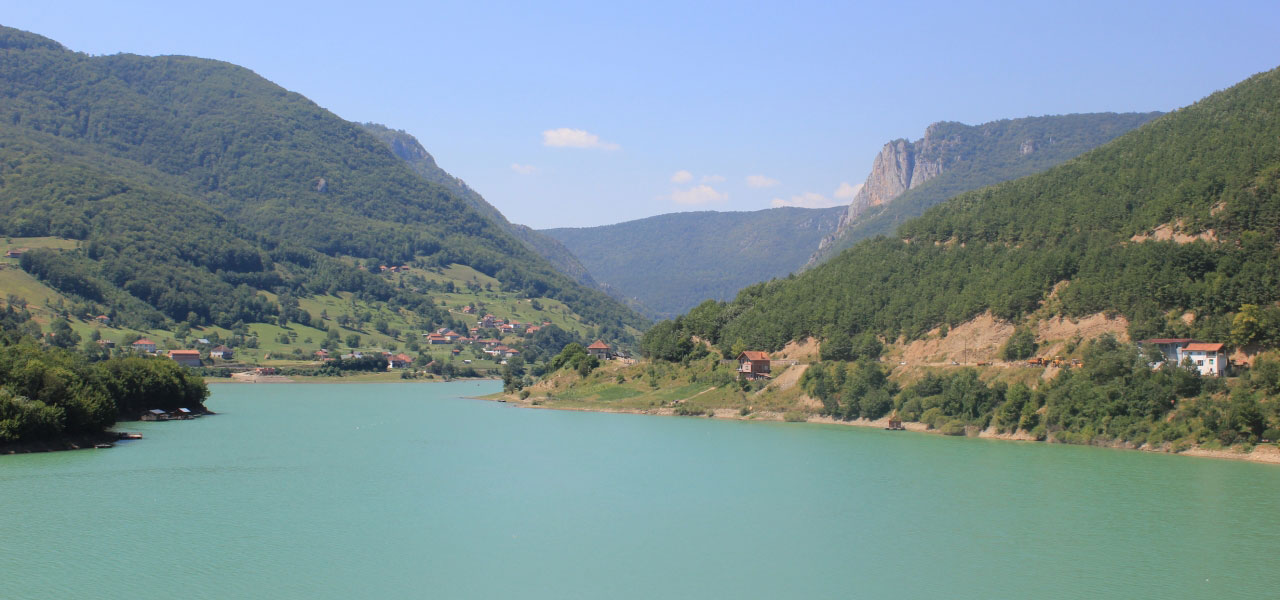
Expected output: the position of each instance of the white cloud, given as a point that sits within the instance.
(698, 194)
(682, 177)
(524, 169)
(846, 191)
(760, 181)
(713, 179)
(575, 138)
(806, 200)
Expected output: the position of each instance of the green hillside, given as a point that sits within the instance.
(204, 194)
(411, 151)
(974, 156)
(670, 263)
(1213, 167)
(1171, 230)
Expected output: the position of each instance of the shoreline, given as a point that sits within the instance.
(1268, 454)
(84, 441)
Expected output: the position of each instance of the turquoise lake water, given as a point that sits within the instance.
(412, 491)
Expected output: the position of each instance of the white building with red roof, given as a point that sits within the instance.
(1209, 358)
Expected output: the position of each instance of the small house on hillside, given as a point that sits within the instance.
(221, 352)
(15, 253)
(753, 364)
(1208, 358)
(399, 361)
(186, 358)
(144, 345)
(600, 350)
(103, 319)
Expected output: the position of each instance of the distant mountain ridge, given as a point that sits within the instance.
(410, 150)
(669, 263)
(907, 177)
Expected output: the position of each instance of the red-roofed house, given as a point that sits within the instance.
(1208, 358)
(753, 364)
(144, 345)
(186, 358)
(399, 361)
(600, 350)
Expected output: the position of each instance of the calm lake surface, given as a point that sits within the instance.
(411, 491)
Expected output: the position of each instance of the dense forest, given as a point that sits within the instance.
(975, 156)
(1212, 168)
(52, 390)
(670, 263)
(194, 184)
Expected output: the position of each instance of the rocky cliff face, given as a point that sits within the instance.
(900, 166)
(953, 158)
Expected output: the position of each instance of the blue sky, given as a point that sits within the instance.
(578, 114)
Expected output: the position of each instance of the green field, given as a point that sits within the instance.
(294, 344)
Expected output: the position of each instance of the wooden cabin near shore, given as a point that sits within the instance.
(155, 414)
(754, 364)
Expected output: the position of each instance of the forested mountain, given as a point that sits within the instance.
(909, 177)
(194, 185)
(1180, 216)
(411, 151)
(670, 263)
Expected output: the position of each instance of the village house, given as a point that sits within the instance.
(468, 310)
(186, 358)
(321, 354)
(399, 361)
(600, 350)
(15, 253)
(221, 352)
(753, 364)
(103, 319)
(105, 343)
(488, 322)
(502, 352)
(1207, 358)
(144, 345)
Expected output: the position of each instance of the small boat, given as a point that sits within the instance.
(100, 446)
(131, 436)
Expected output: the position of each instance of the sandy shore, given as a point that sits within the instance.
(1266, 454)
